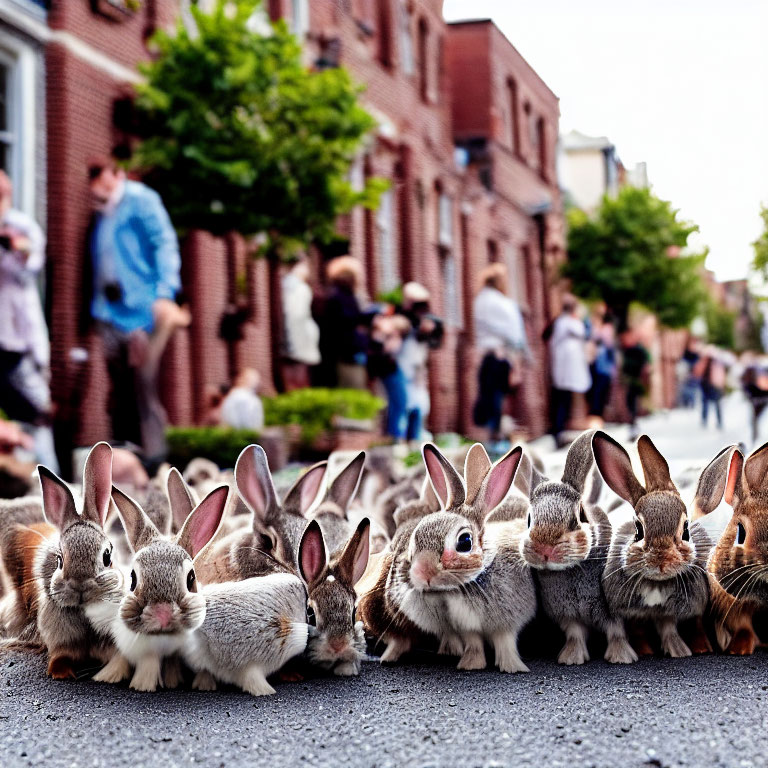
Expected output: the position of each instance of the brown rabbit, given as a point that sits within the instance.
(738, 562)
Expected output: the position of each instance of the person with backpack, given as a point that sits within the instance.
(603, 366)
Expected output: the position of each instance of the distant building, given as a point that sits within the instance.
(590, 168)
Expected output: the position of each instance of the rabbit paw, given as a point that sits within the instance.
(723, 636)
(146, 676)
(619, 651)
(673, 645)
(116, 670)
(700, 644)
(204, 681)
(574, 652)
(743, 643)
(253, 681)
(172, 673)
(507, 656)
(396, 647)
(473, 656)
(450, 645)
(347, 668)
(61, 668)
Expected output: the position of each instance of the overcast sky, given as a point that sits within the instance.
(681, 84)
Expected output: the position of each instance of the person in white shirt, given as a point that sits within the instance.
(24, 347)
(301, 334)
(242, 407)
(568, 360)
(500, 336)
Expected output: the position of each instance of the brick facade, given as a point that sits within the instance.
(430, 85)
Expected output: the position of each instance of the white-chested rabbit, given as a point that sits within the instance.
(163, 603)
(738, 563)
(61, 567)
(458, 579)
(656, 565)
(567, 545)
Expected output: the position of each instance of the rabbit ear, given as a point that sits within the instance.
(499, 480)
(428, 495)
(344, 486)
(180, 497)
(255, 486)
(58, 502)
(755, 468)
(578, 461)
(446, 481)
(353, 561)
(139, 529)
(712, 483)
(616, 468)
(203, 522)
(312, 557)
(527, 477)
(97, 484)
(734, 487)
(476, 467)
(655, 467)
(304, 491)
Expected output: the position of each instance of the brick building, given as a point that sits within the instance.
(467, 133)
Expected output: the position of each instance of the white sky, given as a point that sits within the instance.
(681, 84)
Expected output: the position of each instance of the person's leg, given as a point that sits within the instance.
(16, 405)
(396, 413)
(717, 396)
(704, 405)
(152, 415)
(122, 403)
(415, 420)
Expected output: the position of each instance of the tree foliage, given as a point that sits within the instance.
(760, 246)
(240, 136)
(629, 252)
(721, 325)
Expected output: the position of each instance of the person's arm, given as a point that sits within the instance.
(499, 318)
(26, 256)
(164, 243)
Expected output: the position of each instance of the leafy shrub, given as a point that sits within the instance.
(219, 444)
(316, 409)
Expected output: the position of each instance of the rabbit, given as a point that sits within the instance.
(163, 604)
(738, 562)
(567, 546)
(271, 543)
(656, 567)
(380, 618)
(62, 566)
(458, 579)
(338, 644)
(331, 513)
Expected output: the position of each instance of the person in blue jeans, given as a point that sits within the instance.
(132, 282)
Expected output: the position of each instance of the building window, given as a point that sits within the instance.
(406, 40)
(445, 220)
(423, 60)
(493, 251)
(385, 33)
(514, 126)
(514, 260)
(541, 142)
(451, 306)
(389, 274)
(300, 18)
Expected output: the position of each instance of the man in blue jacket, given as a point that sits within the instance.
(134, 283)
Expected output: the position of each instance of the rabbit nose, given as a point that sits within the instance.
(424, 568)
(337, 644)
(545, 551)
(163, 613)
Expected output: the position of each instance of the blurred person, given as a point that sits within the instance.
(568, 359)
(713, 371)
(500, 337)
(301, 340)
(425, 333)
(603, 366)
(386, 341)
(754, 381)
(133, 283)
(343, 328)
(24, 346)
(691, 382)
(635, 369)
(242, 407)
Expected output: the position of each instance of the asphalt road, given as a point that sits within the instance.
(705, 711)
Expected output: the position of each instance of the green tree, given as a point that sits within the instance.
(629, 252)
(721, 325)
(241, 136)
(760, 246)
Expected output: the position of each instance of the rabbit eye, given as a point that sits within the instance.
(529, 519)
(311, 620)
(354, 615)
(741, 533)
(59, 562)
(191, 580)
(686, 532)
(639, 531)
(464, 542)
(107, 557)
(133, 581)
